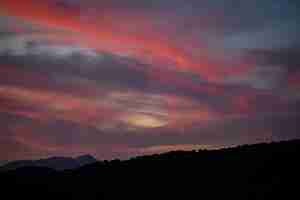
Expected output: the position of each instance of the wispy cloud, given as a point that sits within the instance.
(118, 79)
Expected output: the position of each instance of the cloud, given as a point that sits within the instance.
(122, 78)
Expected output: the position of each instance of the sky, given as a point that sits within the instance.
(117, 79)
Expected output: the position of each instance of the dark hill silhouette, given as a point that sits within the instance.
(57, 163)
(261, 171)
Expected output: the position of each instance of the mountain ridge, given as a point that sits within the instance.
(260, 171)
(57, 162)
(72, 163)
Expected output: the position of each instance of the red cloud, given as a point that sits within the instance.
(294, 80)
(145, 45)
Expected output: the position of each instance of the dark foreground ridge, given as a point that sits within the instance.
(261, 171)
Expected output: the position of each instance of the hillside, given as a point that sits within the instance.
(261, 171)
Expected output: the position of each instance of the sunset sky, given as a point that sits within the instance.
(120, 78)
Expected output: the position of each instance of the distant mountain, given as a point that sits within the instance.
(3, 162)
(57, 163)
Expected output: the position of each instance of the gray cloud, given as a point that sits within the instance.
(56, 97)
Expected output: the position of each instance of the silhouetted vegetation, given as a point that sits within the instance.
(262, 171)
